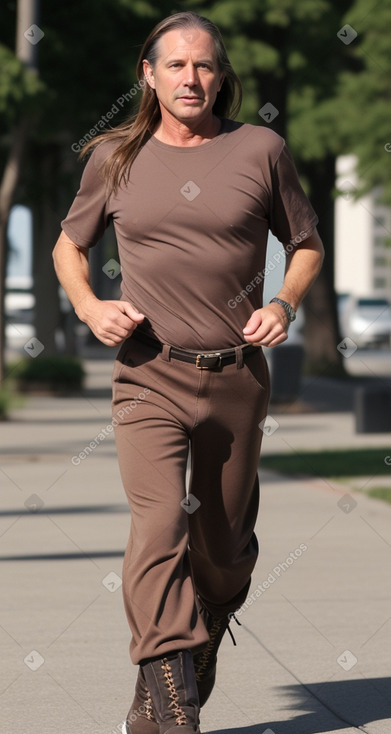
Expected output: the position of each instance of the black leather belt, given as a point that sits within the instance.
(202, 360)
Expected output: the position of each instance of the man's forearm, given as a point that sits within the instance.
(110, 321)
(268, 326)
(72, 269)
(302, 268)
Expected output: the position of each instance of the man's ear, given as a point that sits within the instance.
(148, 73)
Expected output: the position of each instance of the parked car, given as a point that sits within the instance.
(19, 317)
(366, 320)
(19, 312)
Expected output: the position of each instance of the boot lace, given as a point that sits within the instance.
(173, 695)
(209, 652)
(148, 707)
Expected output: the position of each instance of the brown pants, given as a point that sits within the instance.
(205, 544)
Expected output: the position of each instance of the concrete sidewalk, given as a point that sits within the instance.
(312, 651)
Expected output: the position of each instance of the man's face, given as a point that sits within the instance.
(185, 77)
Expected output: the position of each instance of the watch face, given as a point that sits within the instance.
(291, 313)
(289, 310)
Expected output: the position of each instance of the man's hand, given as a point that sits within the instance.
(111, 321)
(267, 327)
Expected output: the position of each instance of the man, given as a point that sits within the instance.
(192, 195)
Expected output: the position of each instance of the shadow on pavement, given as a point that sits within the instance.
(97, 392)
(59, 419)
(66, 556)
(83, 555)
(68, 510)
(346, 703)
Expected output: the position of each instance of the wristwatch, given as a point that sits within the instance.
(289, 310)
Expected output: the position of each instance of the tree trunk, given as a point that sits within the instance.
(27, 15)
(321, 331)
(321, 334)
(273, 87)
(46, 231)
(276, 94)
(7, 190)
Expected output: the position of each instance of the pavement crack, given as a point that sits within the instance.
(306, 687)
(11, 684)
(307, 619)
(376, 631)
(57, 480)
(72, 541)
(73, 621)
(11, 636)
(72, 697)
(10, 526)
(11, 480)
(323, 526)
(375, 531)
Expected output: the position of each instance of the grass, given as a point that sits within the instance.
(335, 465)
(380, 493)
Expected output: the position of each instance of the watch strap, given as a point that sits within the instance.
(289, 310)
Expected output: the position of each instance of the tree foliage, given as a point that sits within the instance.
(21, 91)
(364, 96)
(338, 96)
(331, 97)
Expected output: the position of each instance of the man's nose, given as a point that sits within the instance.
(191, 75)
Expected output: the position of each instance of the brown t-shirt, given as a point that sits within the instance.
(192, 226)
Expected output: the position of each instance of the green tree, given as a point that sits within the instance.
(332, 97)
(20, 94)
(289, 54)
(364, 97)
(87, 63)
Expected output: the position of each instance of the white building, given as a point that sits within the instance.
(362, 237)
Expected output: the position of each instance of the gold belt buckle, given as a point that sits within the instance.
(215, 360)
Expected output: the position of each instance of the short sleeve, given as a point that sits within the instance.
(88, 218)
(292, 218)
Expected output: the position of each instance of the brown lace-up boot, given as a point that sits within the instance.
(141, 718)
(172, 684)
(206, 660)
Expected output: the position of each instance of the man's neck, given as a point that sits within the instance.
(173, 132)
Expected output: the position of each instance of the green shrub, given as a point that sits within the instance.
(5, 401)
(52, 372)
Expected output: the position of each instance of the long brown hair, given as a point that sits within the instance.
(132, 134)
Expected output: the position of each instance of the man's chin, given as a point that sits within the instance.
(191, 112)
(193, 115)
